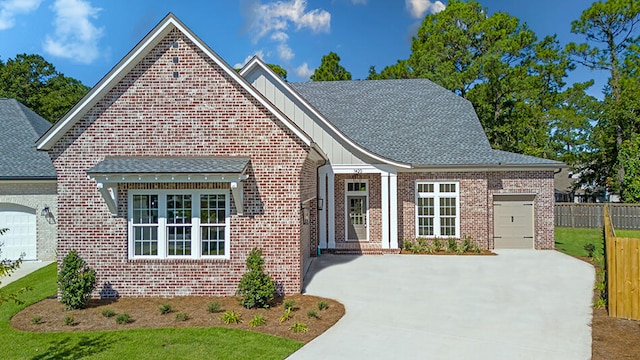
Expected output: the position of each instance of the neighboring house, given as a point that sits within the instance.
(174, 166)
(568, 189)
(28, 200)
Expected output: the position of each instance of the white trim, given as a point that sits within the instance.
(393, 211)
(385, 207)
(355, 169)
(346, 207)
(109, 193)
(255, 61)
(483, 168)
(168, 178)
(436, 205)
(161, 30)
(196, 242)
(27, 181)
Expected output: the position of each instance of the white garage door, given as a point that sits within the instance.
(21, 237)
(513, 221)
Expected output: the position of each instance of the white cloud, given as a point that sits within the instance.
(303, 71)
(277, 16)
(284, 52)
(258, 53)
(418, 8)
(279, 36)
(10, 8)
(75, 37)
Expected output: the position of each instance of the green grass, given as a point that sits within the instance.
(184, 343)
(628, 233)
(572, 241)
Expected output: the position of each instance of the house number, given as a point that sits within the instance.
(357, 171)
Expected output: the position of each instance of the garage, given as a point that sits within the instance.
(21, 237)
(513, 221)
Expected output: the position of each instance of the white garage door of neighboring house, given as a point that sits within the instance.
(513, 221)
(21, 237)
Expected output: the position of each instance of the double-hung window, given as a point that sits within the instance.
(437, 209)
(178, 223)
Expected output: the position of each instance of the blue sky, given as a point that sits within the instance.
(84, 39)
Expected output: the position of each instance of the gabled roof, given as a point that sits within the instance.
(169, 23)
(19, 159)
(412, 121)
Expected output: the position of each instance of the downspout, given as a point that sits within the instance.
(314, 147)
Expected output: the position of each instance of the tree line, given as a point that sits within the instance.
(516, 82)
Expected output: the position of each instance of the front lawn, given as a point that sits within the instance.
(183, 343)
(571, 241)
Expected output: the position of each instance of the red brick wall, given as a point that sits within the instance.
(375, 213)
(203, 112)
(476, 202)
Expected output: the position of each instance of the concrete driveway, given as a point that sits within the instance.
(521, 304)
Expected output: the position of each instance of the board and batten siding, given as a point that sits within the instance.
(294, 110)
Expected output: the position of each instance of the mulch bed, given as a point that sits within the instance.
(145, 314)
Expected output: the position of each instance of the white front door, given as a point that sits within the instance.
(20, 239)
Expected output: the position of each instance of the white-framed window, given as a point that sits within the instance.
(356, 197)
(178, 224)
(437, 209)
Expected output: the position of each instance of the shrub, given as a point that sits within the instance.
(290, 304)
(181, 316)
(322, 305)
(214, 307)
(590, 249)
(312, 314)
(257, 320)
(437, 244)
(164, 309)
(69, 320)
(299, 327)
(37, 320)
(600, 303)
(286, 316)
(76, 281)
(123, 318)
(108, 313)
(231, 317)
(452, 245)
(256, 286)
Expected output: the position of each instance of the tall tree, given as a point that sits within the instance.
(36, 83)
(611, 31)
(330, 69)
(279, 70)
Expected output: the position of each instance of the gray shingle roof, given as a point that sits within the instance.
(170, 165)
(21, 127)
(413, 121)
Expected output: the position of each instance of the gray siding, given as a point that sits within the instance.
(337, 152)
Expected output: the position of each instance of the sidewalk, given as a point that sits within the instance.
(26, 268)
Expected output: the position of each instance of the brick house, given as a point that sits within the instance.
(27, 186)
(174, 166)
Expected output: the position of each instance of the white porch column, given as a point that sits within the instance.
(384, 195)
(330, 203)
(393, 210)
(322, 213)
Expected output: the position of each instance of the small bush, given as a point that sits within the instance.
(257, 320)
(108, 313)
(290, 304)
(123, 318)
(312, 314)
(231, 317)
(256, 286)
(600, 303)
(37, 320)
(437, 244)
(181, 316)
(286, 316)
(164, 309)
(590, 249)
(322, 305)
(76, 281)
(69, 320)
(214, 307)
(299, 327)
(452, 245)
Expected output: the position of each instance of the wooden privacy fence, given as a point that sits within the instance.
(623, 272)
(575, 215)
